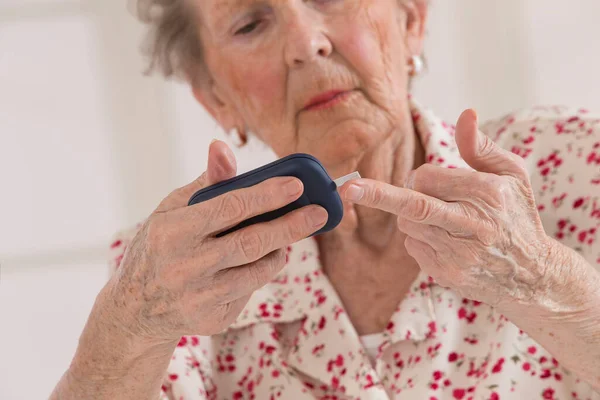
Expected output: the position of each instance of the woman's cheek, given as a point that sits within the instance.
(257, 87)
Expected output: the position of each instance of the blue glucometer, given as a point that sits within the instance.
(319, 189)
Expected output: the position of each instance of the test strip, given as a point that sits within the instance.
(341, 180)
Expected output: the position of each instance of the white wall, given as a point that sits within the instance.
(88, 145)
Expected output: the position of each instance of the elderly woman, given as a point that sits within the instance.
(461, 270)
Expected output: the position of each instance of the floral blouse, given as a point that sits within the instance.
(293, 340)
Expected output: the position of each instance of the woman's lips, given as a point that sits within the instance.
(326, 100)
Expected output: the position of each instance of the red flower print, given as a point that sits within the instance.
(458, 393)
(322, 323)
(182, 342)
(548, 394)
(526, 366)
(498, 366)
(471, 317)
(270, 349)
(545, 374)
(437, 375)
(531, 350)
(321, 298)
(578, 203)
(173, 377)
(558, 376)
(452, 357)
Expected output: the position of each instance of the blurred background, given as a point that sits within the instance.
(90, 146)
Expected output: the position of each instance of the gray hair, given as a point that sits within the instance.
(172, 44)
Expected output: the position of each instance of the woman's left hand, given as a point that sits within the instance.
(478, 232)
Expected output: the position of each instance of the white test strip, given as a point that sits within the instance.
(343, 179)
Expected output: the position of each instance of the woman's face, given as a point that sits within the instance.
(325, 77)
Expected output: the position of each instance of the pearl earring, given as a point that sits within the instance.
(415, 65)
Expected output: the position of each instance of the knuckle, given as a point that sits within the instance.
(252, 245)
(487, 147)
(425, 169)
(213, 256)
(486, 233)
(377, 196)
(227, 291)
(257, 276)
(422, 209)
(156, 235)
(233, 207)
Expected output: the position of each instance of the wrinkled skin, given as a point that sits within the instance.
(177, 275)
(262, 79)
(264, 61)
(477, 231)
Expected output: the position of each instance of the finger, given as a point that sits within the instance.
(228, 210)
(221, 166)
(481, 153)
(235, 283)
(427, 258)
(453, 185)
(436, 237)
(406, 203)
(254, 242)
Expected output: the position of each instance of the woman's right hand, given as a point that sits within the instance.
(176, 278)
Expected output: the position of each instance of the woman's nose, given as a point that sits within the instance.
(305, 41)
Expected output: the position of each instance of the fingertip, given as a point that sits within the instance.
(467, 132)
(221, 162)
(468, 119)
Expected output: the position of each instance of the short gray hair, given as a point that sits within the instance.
(172, 44)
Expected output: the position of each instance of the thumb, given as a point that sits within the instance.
(221, 166)
(481, 153)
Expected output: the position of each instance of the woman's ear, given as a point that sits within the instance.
(416, 23)
(210, 97)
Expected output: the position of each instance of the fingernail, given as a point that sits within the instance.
(354, 193)
(318, 216)
(292, 187)
(212, 141)
(410, 181)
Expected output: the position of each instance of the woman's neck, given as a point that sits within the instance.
(365, 258)
(390, 162)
